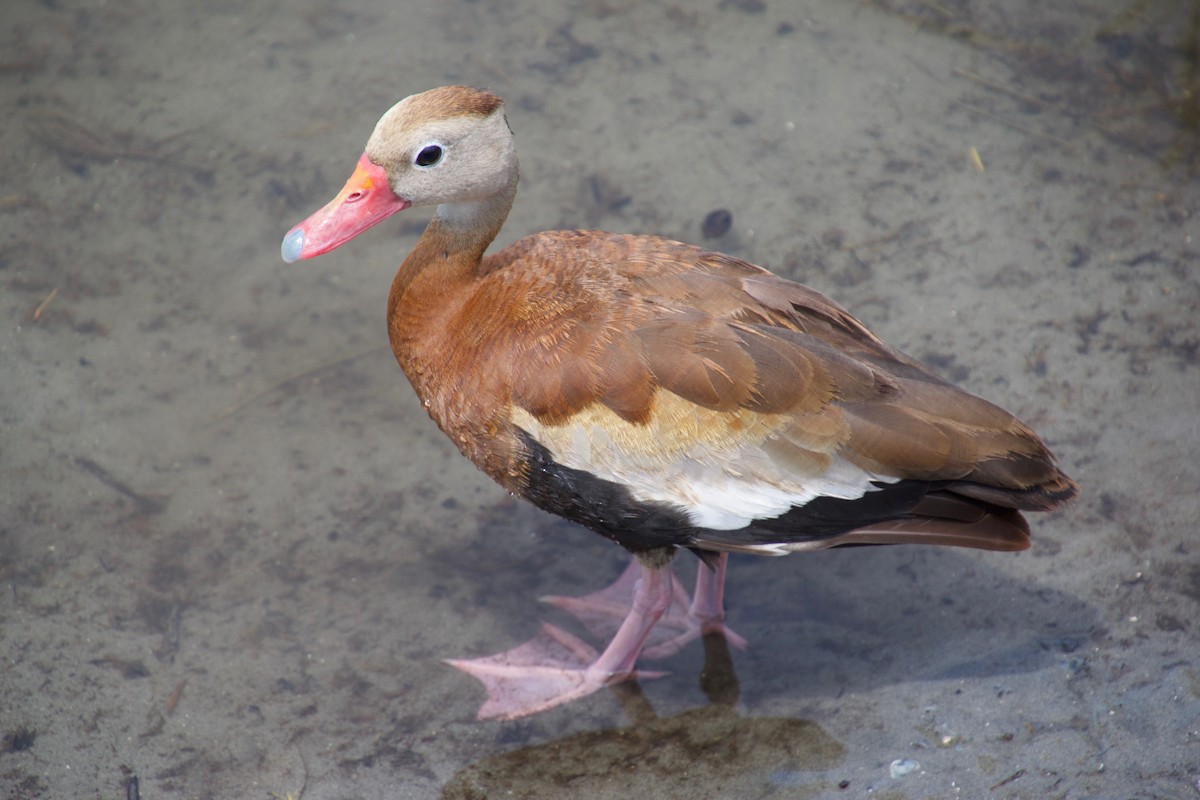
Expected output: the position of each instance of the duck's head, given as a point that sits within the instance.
(450, 147)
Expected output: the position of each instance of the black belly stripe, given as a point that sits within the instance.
(606, 507)
(610, 509)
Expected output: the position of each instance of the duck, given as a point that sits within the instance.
(664, 395)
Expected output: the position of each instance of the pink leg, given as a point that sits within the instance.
(600, 612)
(553, 668)
(708, 602)
(705, 615)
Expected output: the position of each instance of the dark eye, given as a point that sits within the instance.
(430, 154)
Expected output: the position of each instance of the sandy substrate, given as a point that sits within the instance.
(234, 550)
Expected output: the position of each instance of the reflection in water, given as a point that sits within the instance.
(711, 747)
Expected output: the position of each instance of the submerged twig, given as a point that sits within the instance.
(999, 87)
(1063, 143)
(71, 139)
(290, 379)
(146, 505)
(41, 307)
(175, 697)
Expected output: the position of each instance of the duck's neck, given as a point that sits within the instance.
(445, 261)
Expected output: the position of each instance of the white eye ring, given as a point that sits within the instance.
(429, 155)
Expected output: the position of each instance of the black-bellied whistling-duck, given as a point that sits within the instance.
(662, 395)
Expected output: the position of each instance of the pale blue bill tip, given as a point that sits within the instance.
(293, 245)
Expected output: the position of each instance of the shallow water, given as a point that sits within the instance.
(233, 549)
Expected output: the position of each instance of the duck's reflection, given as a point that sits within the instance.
(710, 751)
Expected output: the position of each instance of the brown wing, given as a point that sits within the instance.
(625, 319)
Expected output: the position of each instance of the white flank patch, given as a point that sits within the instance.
(717, 489)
